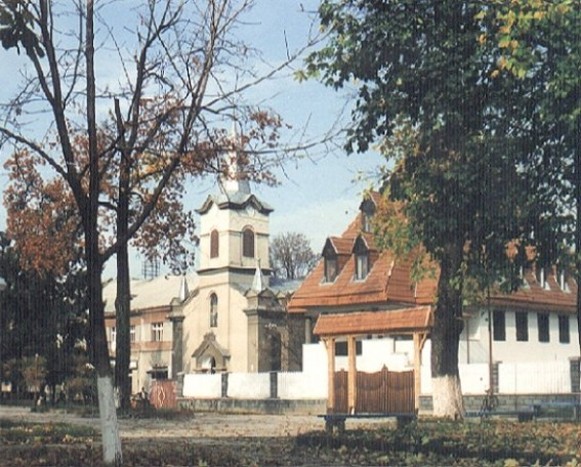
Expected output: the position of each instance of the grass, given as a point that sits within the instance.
(425, 442)
(12, 433)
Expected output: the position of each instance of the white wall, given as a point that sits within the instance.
(203, 386)
(249, 385)
(513, 351)
(301, 386)
(527, 378)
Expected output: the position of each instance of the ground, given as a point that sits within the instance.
(213, 438)
(210, 439)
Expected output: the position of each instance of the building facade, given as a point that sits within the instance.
(226, 317)
(513, 338)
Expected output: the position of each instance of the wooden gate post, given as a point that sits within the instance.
(330, 344)
(352, 374)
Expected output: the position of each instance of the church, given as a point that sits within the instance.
(226, 317)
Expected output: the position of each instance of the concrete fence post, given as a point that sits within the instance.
(495, 383)
(224, 384)
(273, 385)
(575, 373)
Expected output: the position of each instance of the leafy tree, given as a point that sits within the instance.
(182, 79)
(40, 315)
(291, 256)
(465, 168)
(540, 42)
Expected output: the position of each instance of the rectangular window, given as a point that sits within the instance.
(113, 334)
(132, 334)
(157, 332)
(330, 269)
(498, 325)
(543, 325)
(361, 266)
(522, 326)
(564, 335)
(341, 349)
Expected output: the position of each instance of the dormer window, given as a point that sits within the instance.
(361, 253)
(563, 282)
(331, 264)
(542, 278)
(367, 211)
(330, 269)
(366, 222)
(361, 266)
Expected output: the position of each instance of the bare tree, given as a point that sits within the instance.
(291, 255)
(180, 77)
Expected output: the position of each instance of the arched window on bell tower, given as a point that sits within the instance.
(248, 243)
(213, 311)
(214, 244)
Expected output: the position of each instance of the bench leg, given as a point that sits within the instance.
(403, 421)
(333, 425)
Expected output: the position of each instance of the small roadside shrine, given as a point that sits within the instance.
(384, 393)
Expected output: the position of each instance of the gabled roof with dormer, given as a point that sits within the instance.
(387, 283)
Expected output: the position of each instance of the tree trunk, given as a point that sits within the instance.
(123, 340)
(99, 350)
(577, 192)
(446, 392)
(123, 299)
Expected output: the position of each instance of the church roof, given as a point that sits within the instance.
(152, 293)
(234, 200)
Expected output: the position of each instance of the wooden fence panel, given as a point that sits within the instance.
(381, 392)
(341, 392)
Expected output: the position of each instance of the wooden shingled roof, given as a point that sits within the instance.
(374, 322)
(389, 283)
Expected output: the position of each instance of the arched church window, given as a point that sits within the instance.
(248, 243)
(214, 244)
(213, 310)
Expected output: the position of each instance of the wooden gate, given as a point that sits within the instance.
(381, 392)
(163, 394)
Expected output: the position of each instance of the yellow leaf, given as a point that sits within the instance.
(538, 15)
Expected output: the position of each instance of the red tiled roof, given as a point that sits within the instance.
(342, 246)
(537, 298)
(374, 322)
(389, 280)
(389, 283)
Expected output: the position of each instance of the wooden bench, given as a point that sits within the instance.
(336, 421)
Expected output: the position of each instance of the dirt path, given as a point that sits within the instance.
(199, 425)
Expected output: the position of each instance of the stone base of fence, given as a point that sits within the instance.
(506, 402)
(255, 406)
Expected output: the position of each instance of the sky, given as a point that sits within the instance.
(318, 195)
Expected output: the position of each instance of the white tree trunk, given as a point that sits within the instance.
(109, 427)
(447, 397)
